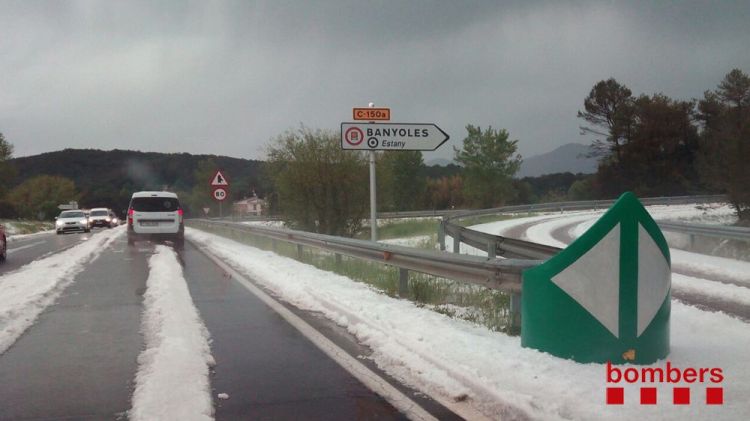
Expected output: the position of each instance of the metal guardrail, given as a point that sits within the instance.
(499, 274)
(430, 213)
(718, 231)
(419, 214)
(495, 245)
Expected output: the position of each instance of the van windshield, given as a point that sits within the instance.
(155, 204)
(99, 213)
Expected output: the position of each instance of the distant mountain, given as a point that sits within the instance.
(567, 158)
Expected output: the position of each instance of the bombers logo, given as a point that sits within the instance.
(669, 375)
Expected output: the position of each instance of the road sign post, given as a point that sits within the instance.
(606, 297)
(219, 189)
(371, 112)
(374, 136)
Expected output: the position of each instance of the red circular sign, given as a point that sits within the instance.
(354, 136)
(220, 194)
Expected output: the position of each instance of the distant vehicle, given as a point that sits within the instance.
(155, 215)
(102, 217)
(115, 219)
(72, 220)
(3, 244)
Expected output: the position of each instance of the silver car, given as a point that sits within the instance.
(101, 217)
(72, 220)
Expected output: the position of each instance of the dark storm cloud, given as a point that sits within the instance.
(224, 77)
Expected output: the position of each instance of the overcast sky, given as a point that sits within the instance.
(225, 77)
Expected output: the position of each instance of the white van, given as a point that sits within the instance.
(155, 215)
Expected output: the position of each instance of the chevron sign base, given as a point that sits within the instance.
(606, 297)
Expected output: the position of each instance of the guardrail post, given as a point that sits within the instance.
(515, 311)
(441, 235)
(299, 251)
(403, 282)
(457, 242)
(491, 249)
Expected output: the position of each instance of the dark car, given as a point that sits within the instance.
(3, 244)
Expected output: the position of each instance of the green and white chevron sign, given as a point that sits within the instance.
(606, 297)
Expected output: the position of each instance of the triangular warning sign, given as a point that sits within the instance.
(219, 180)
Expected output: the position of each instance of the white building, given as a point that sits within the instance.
(249, 206)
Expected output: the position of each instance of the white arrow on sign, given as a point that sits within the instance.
(392, 136)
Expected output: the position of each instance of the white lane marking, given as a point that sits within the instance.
(15, 249)
(369, 378)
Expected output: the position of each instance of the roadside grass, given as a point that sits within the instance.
(455, 299)
(396, 228)
(19, 227)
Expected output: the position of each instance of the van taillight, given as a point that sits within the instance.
(130, 216)
(181, 213)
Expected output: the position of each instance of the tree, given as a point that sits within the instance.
(660, 157)
(7, 174)
(581, 190)
(320, 187)
(400, 174)
(490, 161)
(200, 195)
(647, 145)
(445, 192)
(725, 139)
(609, 108)
(6, 149)
(39, 197)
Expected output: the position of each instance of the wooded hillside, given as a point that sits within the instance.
(108, 178)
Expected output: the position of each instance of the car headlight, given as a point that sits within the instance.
(84, 221)
(108, 219)
(59, 223)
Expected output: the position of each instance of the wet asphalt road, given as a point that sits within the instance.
(269, 370)
(25, 250)
(78, 361)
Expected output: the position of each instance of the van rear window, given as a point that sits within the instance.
(155, 204)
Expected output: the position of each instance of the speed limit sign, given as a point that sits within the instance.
(220, 194)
